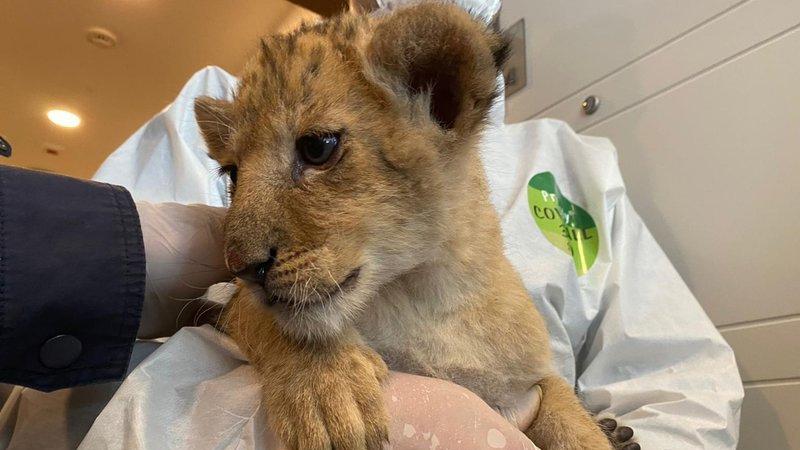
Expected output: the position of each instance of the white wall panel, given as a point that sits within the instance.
(571, 44)
(713, 167)
(723, 38)
(767, 351)
(771, 417)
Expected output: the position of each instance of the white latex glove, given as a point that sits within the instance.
(184, 251)
(426, 413)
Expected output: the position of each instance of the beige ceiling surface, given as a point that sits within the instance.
(46, 62)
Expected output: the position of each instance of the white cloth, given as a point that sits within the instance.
(166, 159)
(628, 332)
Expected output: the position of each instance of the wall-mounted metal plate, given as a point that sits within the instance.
(515, 70)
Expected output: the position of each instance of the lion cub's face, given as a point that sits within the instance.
(341, 144)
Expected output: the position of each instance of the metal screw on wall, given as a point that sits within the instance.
(5, 147)
(590, 105)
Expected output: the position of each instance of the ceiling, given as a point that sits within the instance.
(46, 62)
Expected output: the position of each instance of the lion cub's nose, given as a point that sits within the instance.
(257, 271)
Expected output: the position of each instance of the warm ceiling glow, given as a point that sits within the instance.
(63, 118)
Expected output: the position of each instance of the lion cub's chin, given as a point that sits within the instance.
(316, 319)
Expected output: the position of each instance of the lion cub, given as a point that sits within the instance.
(361, 228)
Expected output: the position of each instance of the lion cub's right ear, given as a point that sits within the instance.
(216, 124)
(439, 53)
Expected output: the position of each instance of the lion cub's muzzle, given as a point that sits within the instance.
(254, 272)
(293, 278)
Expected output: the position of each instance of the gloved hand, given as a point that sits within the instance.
(429, 413)
(184, 252)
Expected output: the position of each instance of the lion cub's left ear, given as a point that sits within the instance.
(214, 117)
(438, 49)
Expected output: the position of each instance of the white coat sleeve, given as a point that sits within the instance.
(652, 358)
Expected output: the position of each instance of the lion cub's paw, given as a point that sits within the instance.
(332, 404)
(621, 437)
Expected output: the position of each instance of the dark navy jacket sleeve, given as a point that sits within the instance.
(72, 273)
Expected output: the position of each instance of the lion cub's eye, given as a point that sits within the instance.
(319, 150)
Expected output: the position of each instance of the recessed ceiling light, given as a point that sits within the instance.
(63, 118)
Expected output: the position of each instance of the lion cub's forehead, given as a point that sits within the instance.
(289, 67)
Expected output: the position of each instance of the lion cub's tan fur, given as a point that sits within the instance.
(392, 254)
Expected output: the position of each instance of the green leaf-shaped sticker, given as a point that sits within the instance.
(565, 224)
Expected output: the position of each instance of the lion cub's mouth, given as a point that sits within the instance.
(347, 284)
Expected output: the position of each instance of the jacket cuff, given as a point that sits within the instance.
(72, 278)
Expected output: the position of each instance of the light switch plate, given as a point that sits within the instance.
(515, 70)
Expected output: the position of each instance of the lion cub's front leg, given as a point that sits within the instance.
(562, 423)
(316, 396)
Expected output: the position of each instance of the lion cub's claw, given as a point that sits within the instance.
(621, 437)
(337, 405)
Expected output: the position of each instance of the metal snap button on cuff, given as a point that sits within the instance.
(60, 351)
